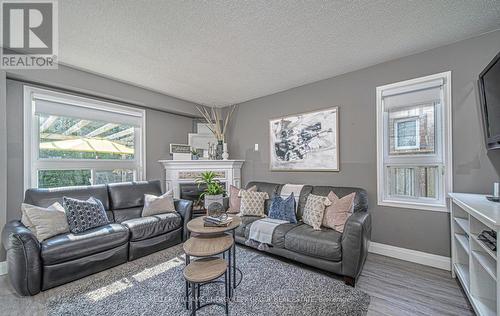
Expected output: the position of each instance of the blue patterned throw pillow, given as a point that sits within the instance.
(283, 209)
(84, 215)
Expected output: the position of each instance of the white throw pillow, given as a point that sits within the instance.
(158, 204)
(314, 210)
(252, 203)
(45, 222)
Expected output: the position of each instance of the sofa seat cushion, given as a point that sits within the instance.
(68, 246)
(324, 243)
(280, 233)
(245, 222)
(150, 226)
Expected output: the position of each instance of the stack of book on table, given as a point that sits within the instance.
(217, 222)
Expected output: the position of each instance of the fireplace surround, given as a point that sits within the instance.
(180, 175)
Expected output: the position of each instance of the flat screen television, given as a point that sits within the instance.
(489, 94)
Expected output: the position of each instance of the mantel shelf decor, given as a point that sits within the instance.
(218, 126)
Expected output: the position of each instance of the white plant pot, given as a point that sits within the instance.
(209, 199)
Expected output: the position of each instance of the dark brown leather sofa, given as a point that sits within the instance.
(36, 266)
(340, 253)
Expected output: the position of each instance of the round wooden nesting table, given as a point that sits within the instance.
(205, 269)
(197, 226)
(205, 240)
(202, 246)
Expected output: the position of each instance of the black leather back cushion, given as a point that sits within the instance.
(360, 201)
(131, 194)
(46, 197)
(270, 188)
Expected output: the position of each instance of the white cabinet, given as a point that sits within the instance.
(475, 265)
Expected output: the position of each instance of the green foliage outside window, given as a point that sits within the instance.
(63, 178)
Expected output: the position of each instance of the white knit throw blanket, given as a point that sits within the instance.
(261, 232)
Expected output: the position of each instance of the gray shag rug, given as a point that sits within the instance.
(154, 285)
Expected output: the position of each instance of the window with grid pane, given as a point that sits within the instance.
(413, 144)
(74, 141)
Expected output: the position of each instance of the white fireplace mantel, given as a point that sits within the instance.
(186, 171)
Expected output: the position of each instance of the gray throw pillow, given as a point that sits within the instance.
(154, 205)
(44, 222)
(84, 215)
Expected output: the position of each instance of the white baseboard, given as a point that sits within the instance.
(3, 267)
(428, 259)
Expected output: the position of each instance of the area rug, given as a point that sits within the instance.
(154, 285)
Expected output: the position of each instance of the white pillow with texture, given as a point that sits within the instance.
(314, 210)
(154, 205)
(44, 222)
(252, 203)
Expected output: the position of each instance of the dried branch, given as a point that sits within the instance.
(213, 119)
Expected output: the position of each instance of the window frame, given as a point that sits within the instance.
(31, 137)
(443, 148)
(416, 119)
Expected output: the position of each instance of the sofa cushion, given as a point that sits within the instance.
(360, 200)
(154, 205)
(314, 210)
(126, 214)
(131, 194)
(235, 199)
(253, 203)
(270, 188)
(280, 233)
(245, 222)
(338, 212)
(46, 197)
(84, 215)
(44, 222)
(283, 208)
(66, 247)
(150, 226)
(324, 244)
(302, 199)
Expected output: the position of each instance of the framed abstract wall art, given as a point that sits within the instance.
(305, 142)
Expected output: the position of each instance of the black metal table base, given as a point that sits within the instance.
(196, 302)
(231, 282)
(241, 277)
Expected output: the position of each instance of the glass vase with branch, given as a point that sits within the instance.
(217, 123)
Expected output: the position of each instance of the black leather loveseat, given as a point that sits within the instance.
(340, 253)
(35, 266)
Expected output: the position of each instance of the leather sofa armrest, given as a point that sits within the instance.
(23, 258)
(185, 209)
(225, 203)
(357, 234)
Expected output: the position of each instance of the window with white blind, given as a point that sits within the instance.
(414, 143)
(72, 141)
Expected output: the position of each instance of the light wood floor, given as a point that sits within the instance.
(396, 288)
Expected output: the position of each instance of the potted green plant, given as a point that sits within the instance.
(194, 154)
(214, 191)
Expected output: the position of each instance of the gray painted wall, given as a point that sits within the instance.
(96, 85)
(354, 93)
(162, 128)
(3, 154)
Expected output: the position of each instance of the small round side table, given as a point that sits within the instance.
(197, 226)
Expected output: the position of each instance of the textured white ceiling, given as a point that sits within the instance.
(224, 52)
